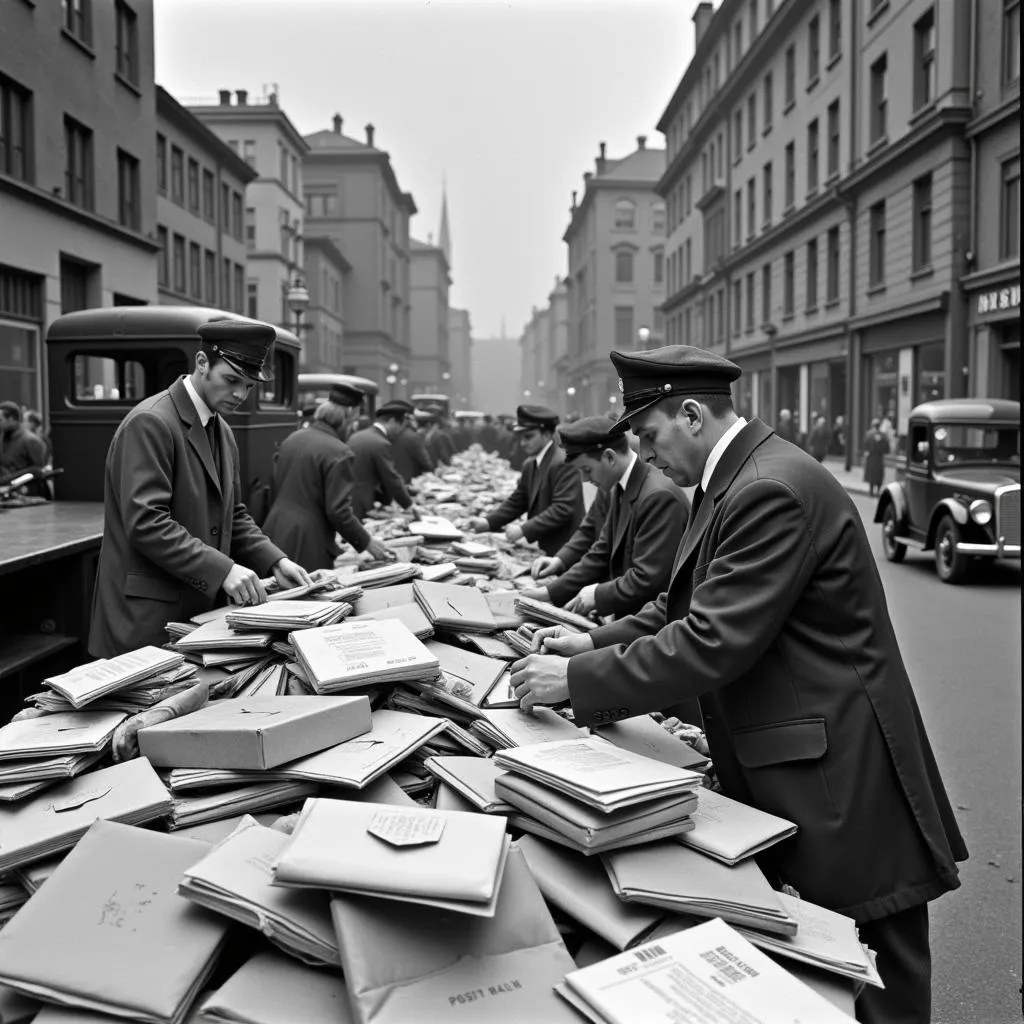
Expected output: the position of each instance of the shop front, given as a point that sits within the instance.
(994, 311)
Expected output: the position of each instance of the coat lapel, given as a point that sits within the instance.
(624, 501)
(754, 434)
(540, 472)
(195, 432)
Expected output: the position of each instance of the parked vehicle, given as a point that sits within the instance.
(958, 494)
(426, 401)
(315, 387)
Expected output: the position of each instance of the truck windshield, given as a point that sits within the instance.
(957, 444)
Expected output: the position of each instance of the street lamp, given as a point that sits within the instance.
(298, 302)
(527, 393)
(570, 392)
(643, 335)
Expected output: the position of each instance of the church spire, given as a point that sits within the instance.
(444, 238)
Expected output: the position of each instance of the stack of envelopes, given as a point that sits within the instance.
(96, 679)
(466, 678)
(287, 615)
(130, 699)
(472, 778)
(643, 735)
(731, 831)
(436, 528)
(235, 879)
(109, 933)
(384, 575)
(503, 728)
(195, 809)
(435, 572)
(412, 615)
(460, 609)
(451, 860)
(552, 615)
(48, 736)
(353, 654)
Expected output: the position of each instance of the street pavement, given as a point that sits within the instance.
(962, 648)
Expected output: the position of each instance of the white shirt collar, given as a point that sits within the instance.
(205, 412)
(624, 479)
(540, 455)
(719, 450)
(384, 430)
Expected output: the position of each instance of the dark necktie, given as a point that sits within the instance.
(211, 434)
(698, 497)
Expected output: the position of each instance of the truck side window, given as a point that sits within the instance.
(919, 444)
(106, 379)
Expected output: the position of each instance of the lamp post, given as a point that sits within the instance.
(298, 302)
(771, 330)
(392, 378)
(643, 335)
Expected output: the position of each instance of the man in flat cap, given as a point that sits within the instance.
(376, 478)
(175, 530)
(410, 449)
(775, 617)
(549, 492)
(631, 561)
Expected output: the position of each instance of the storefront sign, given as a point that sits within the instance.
(1000, 301)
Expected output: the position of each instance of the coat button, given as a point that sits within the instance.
(215, 531)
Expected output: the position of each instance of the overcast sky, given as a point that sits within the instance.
(505, 100)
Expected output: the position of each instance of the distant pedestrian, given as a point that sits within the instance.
(876, 447)
(821, 436)
(787, 428)
(839, 436)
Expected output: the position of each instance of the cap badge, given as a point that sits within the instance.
(621, 388)
(666, 387)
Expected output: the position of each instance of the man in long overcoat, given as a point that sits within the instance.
(775, 617)
(175, 530)
(374, 472)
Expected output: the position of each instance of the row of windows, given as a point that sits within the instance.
(194, 187)
(188, 269)
(77, 22)
(289, 169)
(626, 216)
(625, 267)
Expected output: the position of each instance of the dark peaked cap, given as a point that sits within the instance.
(396, 407)
(587, 436)
(535, 417)
(247, 346)
(345, 394)
(647, 377)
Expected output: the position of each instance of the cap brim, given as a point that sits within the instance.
(621, 425)
(262, 376)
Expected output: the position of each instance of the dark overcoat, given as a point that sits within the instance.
(776, 618)
(172, 525)
(632, 559)
(440, 445)
(550, 495)
(409, 451)
(585, 535)
(374, 472)
(313, 497)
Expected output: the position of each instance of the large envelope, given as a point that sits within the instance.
(417, 964)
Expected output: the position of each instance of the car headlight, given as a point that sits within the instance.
(981, 511)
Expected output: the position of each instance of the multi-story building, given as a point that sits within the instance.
(616, 280)
(429, 281)
(200, 186)
(992, 281)
(534, 344)
(77, 176)
(352, 196)
(261, 133)
(543, 353)
(497, 381)
(817, 187)
(460, 357)
(323, 347)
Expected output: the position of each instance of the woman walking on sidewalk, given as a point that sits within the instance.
(876, 447)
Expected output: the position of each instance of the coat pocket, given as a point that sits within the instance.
(803, 739)
(141, 584)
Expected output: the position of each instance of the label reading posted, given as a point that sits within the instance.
(400, 829)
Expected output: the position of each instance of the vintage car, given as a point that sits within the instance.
(958, 493)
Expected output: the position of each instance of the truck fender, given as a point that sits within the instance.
(892, 494)
(954, 508)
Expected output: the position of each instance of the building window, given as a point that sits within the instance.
(720, 318)
(737, 216)
(812, 157)
(876, 254)
(790, 175)
(766, 293)
(659, 268)
(751, 120)
(737, 43)
(250, 227)
(208, 211)
(788, 282)
(249, 152)
(766, 177)
(1009, 242)
(225, 208)
(924, 60)
(737, 135)
(252, 299)
(284, 231)
(15, 129)
(1011, 41)
(282, 172)
(195, 271)
(624, 266)
(812, 275)
(177, 175)
(688, 260)
(236, 215)
(879, 99)
(813, 51)
(77, 19)
(768, 90)
(240, 296)
(835, 29)
(127, 43)
(178, 255)
(163, 256)
(625, 214)
(832, 267)
(833, 139)
(161, 164)
(750, 301)
(225, 288)
(751, 207)
(923, 223)
(128, 191)
(210, 277)
(737, 307)
(624, 327)
(658, 219)
(193, 186)
(753, 19)
(790, 76)
(78, 164)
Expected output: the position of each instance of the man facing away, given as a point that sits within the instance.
(631, 560)
(175, 530)
(374, 472)
(775, 617)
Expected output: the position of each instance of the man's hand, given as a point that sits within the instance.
(513, 532)
(546, 566)
(290, 574)
(536, 594)
(540, 679)
(479, 525)
(379, 551)
(243, 585)
(559, 640)
(585, 601)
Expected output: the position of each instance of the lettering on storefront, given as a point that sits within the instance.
(999, 301)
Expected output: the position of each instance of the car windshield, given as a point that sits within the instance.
(957, 444)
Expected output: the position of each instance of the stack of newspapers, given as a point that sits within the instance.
(286, 615)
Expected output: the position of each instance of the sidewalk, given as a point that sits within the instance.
(852, 479)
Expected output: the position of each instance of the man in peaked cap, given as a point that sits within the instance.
(176, 532)
(549, 492)
(631, 560)
(348, 398)
(775, 618)
(376, 477)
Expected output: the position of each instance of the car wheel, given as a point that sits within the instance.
(950, 564)
(893, 551)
